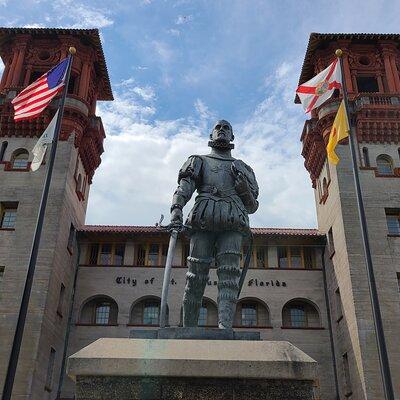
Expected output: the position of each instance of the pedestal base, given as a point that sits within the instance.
(162, 369)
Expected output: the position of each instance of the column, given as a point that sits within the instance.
(388, 71)
(83, 80)
(18, 67)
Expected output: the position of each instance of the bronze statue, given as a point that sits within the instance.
(227, 193)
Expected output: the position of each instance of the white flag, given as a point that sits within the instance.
(40, 147)
(320, 88)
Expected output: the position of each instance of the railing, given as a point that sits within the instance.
(377, 99)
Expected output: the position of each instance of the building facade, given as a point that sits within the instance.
(307, 286)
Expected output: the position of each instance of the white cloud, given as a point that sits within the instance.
(163, 51)
(142, 157)
(174, 32)
(34, 25)
(183, 19)
(3, 2)
(146, 92)
(81, 15)
(1, 68)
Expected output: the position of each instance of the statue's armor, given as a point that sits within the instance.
(217, 222)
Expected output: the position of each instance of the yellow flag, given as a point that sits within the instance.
(339, 131)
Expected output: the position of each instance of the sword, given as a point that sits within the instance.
(168, 268)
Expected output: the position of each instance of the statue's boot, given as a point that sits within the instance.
(196, 280)
(228, 287)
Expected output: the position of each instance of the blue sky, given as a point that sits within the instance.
(178, 65)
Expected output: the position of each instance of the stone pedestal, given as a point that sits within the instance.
(162, 369)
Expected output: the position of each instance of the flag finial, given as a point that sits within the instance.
(339, 53)
(72, 50)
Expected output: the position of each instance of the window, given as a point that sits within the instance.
(3, 150)
(339, 310)
(79, 184)
(296, 260)
(35, 75)
(283, 260)
(384, 165)
(50, 369)
(261, 256)
(61, 300)
(100, 310)
(146, 312)
(152, 258)
(309, 258)
(119, 252)
(346, 375)
(152, 254)
(251, 313)
(106, 254)
(365, 157)
(151, 313)
(298, 317)
(20, 159)
(367, 84)
(102, 313)
(393, 221)
(72, 85)
(2, 268)
(296, 257)
(202, 315)
(300, 314)
(8, 215)
(71, 239)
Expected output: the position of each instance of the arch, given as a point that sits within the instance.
(145, 311)
(384, 164)
(99, 310)
(19, 159)
(252, 312)
(300, 313)
(3, 150)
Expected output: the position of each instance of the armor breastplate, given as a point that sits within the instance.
(216, 173)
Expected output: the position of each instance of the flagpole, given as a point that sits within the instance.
(379, 332)
(19, 330)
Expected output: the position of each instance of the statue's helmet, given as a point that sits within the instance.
(222, 135)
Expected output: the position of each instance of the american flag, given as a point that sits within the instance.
(36, 97)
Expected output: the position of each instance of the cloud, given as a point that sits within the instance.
(163, 50)
(79, 15)
(183, 19)
(174, 32)
(34, 25)
(143, 155)
(1, 68)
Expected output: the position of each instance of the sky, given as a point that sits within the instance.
(177, 66)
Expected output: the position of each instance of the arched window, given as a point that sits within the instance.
(100, 310)
(19, 159)
(384, 164)
(365, 156)
(3, 150)
(208, 315)
(251, 313)
(300, 313)
(146, 312)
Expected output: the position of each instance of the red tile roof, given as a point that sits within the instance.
(133, 229)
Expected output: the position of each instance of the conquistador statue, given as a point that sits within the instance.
(227, 192)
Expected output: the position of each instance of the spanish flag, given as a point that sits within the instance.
(339, 131)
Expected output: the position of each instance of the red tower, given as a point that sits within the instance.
(27, 53)
(371, 71)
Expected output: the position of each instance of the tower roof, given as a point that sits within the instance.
(319, 40)
(89, 35)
